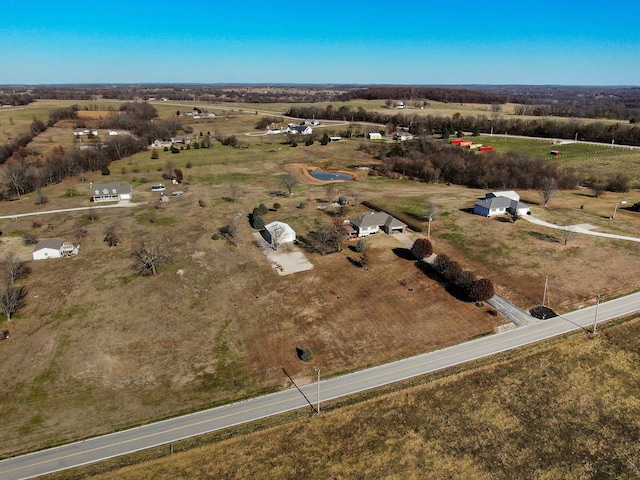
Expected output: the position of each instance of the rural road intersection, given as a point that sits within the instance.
(171, 430)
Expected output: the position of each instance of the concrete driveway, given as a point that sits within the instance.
(286, 260)
(580, 228)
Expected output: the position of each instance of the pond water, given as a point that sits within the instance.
(325, 176)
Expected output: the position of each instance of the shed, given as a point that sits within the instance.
(277, 233)
(374, 136)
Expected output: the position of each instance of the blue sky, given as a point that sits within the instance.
(374, 42)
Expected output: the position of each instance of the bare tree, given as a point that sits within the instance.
(112, 235)
(548, 189)
(150, 255)
(430, 210)
(567, 234)
(234, 228)
(80, 232)
(12, 299)
(41, 198)
(289, 181)
(331, 192)
(93, 214)
(235, 192)
(13, 268)
(324, 240)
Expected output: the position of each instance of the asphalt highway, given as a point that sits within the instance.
(171, 430)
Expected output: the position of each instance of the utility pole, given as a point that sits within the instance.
(619, 202)
(544, 295)
(429, 228)
(595, 318)
(318, 391)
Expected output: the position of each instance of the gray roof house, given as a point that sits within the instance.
(370, 223)
(111, 192)
(499, 205)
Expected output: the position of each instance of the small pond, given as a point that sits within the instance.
(327, 176)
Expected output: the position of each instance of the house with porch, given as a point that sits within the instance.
(373, 222)
(500, 203)
(111, 192)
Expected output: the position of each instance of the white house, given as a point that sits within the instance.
(505, 193)
(110, 192)
(51, 248)
(373, 222)
(299, 129)
(493, 205)
(277, 233)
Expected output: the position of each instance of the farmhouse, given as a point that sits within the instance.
(51, 248)
(80, 132)
(277, 233)
(299, 129)
(111, 192)
(371, 223)
(499, 203)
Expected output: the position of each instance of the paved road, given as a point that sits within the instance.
(167, 431)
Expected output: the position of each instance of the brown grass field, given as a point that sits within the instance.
(99, 348)
(564, 409)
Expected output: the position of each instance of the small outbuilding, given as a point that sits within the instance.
(373, 222)
(278, 233)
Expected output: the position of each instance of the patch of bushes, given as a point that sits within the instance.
(463, 282)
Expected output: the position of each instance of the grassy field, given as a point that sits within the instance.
(563, 409)
(99, 348)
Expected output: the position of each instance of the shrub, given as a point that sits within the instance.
(361, 246)
(189, 164)
(155, 154)
(174, 149)
(202, 203)
(262, 209)
(421, 248)
(29, 239)
(257, 222)
(307, 355)
(105, 170)
(301, 205)
(308, 142)
(276, 206)
(215, 236)
(481, 290)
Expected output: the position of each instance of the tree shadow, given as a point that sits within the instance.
(403, 253)
(545, 237)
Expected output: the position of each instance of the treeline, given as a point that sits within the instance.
(139, 119)
(25, 171)
(625, 134)
(448, 95)
(435, 162)
(16, 99)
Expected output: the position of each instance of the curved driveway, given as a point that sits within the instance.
(167, 431)
(586, 229)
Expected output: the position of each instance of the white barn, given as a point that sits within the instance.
(277, 233)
